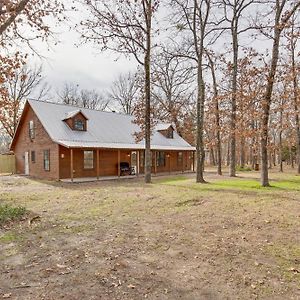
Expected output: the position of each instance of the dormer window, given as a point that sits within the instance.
(167, 131)
(76, 120)
(170, 134)
(78, 124)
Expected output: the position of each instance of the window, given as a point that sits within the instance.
(179, 159)
(33, 156)
(47, 160)
(160, 159)
(78, 124)
(31, 130)
(170, 133)
(88, 159)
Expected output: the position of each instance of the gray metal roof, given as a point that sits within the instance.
(104, 129)
(73, 113)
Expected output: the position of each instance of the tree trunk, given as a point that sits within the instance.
(228, 154)
(270, 160)
(266, 107)
(217, 115)
(242, 152)
(200, 119)
(235, 48)
(291, 157)
(212, 157)
(148, 98)
(281, 19)
(280, 152)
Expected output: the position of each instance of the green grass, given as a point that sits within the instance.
(292, 184)
(10, 213)
(243, 169)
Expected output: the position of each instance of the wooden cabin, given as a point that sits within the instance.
(56, 141)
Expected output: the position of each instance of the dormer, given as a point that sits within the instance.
(166, 130)
(76, 120)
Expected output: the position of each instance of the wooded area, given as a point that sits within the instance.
(224, 72)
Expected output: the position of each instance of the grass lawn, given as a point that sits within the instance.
(173, 239)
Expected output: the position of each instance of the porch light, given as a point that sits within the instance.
(62, 155)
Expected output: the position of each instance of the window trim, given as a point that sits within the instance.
(161, 158)
(46, 160)
(84, 160)
(31, 130)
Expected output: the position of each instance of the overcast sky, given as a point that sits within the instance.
(82, 65)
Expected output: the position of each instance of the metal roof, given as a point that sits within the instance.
(104, 129)
(73, 113)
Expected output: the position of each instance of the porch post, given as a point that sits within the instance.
(119, 158)
(169, 162)
(155, 159)
(71, 165)
(97, 162)
(137, 162)
(182, 162)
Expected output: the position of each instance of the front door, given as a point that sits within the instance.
(26, 163)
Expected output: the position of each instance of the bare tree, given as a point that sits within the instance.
(24, 83)
(125, 27)
(21, 22)
(282, 16)
(173, 88)
(192, 18)
(71, 94)
(212, 66)
(233, 13)
(93, 100)
(124, 92)
(292, 36)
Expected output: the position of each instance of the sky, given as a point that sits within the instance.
(68, 62)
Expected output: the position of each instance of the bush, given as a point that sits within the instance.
(9, 213)
(243, 169)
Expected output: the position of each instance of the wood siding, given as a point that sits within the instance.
(41, 142)
(108, 162)
(60, 157)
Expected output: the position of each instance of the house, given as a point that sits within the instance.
(56, 141)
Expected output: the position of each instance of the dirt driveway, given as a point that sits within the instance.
(173, 239)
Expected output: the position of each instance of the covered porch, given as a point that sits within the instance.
(90, 164)
(126, 177)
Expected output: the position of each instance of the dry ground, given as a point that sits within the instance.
(173, 239)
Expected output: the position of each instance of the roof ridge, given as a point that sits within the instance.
(80, 107)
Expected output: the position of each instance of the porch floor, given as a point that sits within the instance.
(105, 178)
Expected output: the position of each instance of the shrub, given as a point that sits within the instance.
(10, 213)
